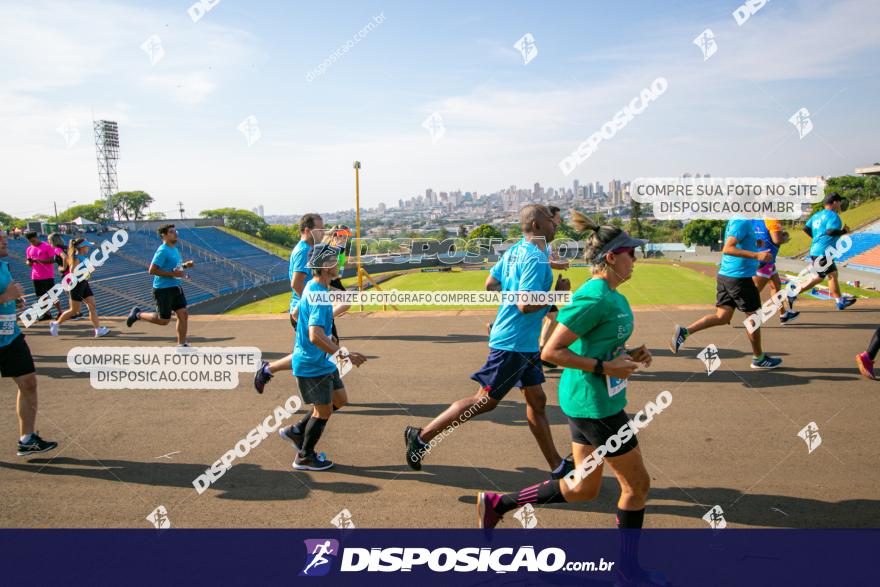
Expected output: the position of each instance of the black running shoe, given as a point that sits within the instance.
(262, 377)
(296, 439)
(133, 316)
(415, 448)
(789, 317)
(567, 467)
(35, 445)
(312, 462)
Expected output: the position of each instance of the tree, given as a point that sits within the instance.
(462, 231)
(280, 234)
(703, 232)
(156, 216)
(515, 231)
(8, 221)
(567, 232)
(130, 204)
(856, 189)
(238, 219)
(444, 234)
(486, 231)
(96, 212)
(635, 222)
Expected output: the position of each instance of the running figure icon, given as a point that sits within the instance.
(319, 559)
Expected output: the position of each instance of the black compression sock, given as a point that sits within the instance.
(874, 347)
(300, 426)
(630, 519)
(313, 432)
(541, 493)
(630, 523)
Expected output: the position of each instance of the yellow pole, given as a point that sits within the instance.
(357, 225)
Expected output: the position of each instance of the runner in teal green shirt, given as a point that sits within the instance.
(589, 343)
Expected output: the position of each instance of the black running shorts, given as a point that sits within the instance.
(737, 292)
(16, 359)
(168, 300)
(828, 270)
(81, 291)
(596, 432)
(319, 390)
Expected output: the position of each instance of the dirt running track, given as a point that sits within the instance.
(728, 439)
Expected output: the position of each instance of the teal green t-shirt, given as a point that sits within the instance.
(603, 320)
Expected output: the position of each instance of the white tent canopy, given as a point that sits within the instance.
(80, 221)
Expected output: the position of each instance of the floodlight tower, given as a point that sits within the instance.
(107, 147)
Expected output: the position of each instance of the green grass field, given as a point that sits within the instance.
(863, 214)
(651, 284)
(283, 252)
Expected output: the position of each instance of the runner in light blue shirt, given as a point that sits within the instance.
(514, 360)
(311, 231)
(826, 227)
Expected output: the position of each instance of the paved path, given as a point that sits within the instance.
(728, 439)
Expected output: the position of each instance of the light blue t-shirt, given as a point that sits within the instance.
(524, 267)
(308, 359)
(744, 232)
(9, 330)
(299, 259)
(167, 259)
(820, 222)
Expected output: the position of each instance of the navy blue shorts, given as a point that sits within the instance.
(505, 370)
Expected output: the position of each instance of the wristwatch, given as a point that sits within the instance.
(599, 369)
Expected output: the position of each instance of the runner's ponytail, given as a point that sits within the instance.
(602, 235)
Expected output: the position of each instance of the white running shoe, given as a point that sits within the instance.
(101, 331)
(53, 328)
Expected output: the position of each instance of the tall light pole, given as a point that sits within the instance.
(357, 223)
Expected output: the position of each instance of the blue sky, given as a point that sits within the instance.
(506, 122)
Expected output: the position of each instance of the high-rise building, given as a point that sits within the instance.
(576, 188)
(258, 211)
(381, 208)
(538, 191)
(400, 203)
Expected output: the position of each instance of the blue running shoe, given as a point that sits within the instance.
(766, 363)
(679, 335)
(845, 303)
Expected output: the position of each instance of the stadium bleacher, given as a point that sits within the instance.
(224, 264)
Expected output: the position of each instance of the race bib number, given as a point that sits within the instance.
(615, 385)
(7, 324)
(341, 360)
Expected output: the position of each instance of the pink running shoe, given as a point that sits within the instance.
(866, 365)
(486, 516)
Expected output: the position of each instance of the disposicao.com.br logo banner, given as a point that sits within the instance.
(502, 559)
(680, 557)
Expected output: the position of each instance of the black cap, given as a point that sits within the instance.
(621, 241)
(833, 197)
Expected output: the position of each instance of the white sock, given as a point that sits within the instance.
(25, 438)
